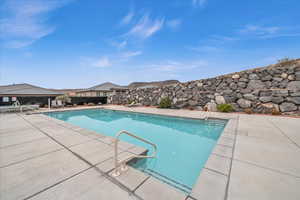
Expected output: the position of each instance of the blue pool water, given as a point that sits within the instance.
(183, 145)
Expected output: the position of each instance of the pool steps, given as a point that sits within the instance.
(121, 166)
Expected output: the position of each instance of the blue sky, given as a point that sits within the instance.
(78, 44)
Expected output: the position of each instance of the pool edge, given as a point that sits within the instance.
(216, 164)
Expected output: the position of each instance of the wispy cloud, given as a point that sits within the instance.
(130, 54)
(101, 62)
(213, 44)
(198, 3)
(25, 21)
(217, 43)
(280, 35)
(222, 39)
(174, 24)
(109, 60)
(268, 32)
(146, 27)
(177, 66)
(206, 48)
(119, 44)
(16, 44)
(127, 18)
(260, 30)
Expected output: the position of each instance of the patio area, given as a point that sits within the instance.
(256, 157)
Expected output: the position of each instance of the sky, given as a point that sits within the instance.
(80, 43)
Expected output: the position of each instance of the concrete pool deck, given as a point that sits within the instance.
(257, 157)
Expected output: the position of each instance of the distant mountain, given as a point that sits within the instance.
(152, 84)
(109, 85)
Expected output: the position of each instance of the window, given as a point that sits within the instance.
(14, 99)
(5, 99)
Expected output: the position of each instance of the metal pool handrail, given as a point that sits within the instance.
(119, 167)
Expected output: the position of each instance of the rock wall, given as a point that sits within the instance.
(260, 90)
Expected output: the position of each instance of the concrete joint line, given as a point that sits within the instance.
(215, 171)
(292, 141)
(140, 184)
(231, 159)
(12, 145)
(113, 180)
(31, 158)
(267, 168)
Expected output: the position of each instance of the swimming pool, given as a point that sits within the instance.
(183, 145)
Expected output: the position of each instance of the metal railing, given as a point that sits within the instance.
(121, 166)
(207, 115)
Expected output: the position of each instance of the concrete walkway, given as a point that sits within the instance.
(44, 158)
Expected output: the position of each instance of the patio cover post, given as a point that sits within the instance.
(49, 103)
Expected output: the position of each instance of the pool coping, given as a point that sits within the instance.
(218, 164)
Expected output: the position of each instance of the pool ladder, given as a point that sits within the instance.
(121, 166)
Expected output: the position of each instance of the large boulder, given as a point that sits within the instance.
(256, 85)
(294, 85)
(280, 93)
(295, 93)
(264, 93)
(243, 80)
(295, 100)
(265, 99)
(277, 100)
(220, 100)
(174, 100)
(291, 77)
(211, 106)
(253, 77)
(287, 107)
(192, 103)
(233, 86)
(277, 79)
(284, 75)
(235, 76)
(266, 108)
(250, 97)
(241, 84)
(267, 78)
(243, 103)
(297, 76)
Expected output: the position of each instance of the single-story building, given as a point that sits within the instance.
(102, 90)
(68, 92)
(26, 94)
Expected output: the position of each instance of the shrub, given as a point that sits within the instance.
(130, 101)
(248, 111)
(165, 103)
(225, 108)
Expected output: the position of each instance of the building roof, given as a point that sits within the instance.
(26, 89)
(66, 91)
(107, 86)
